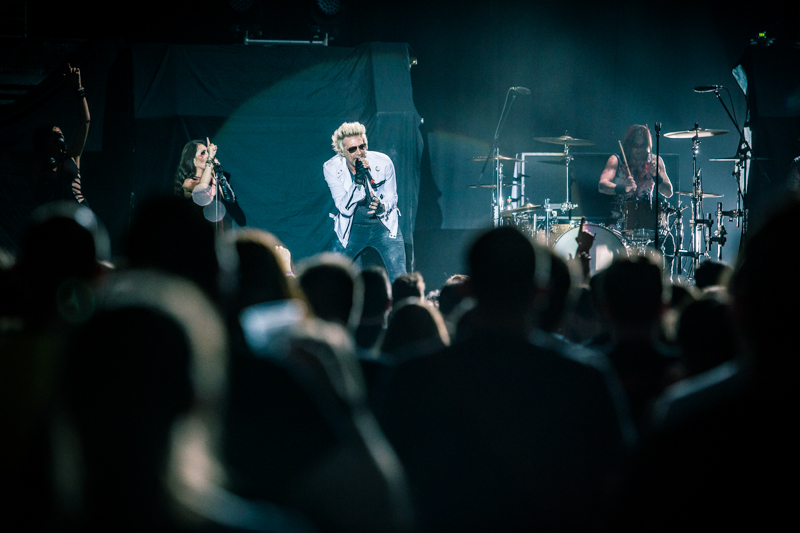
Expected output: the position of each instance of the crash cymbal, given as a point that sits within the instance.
(695, 132)
(500, 157)
(483, 186)
(703, 194)
(519, 210)
(565, 139)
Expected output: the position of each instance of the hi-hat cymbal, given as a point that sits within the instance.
(500, 157)
(703, 194)
(519, 210)
(565, 139)
(695, 132)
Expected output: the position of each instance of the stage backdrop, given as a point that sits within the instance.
(271, 111)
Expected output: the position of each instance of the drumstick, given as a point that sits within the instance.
(624, 159)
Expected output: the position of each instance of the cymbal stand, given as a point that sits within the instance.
(517, 197)
(676, 258)
(548, 212)
(699, 225)
(739, 172)
(497, 192)
(567, 205)
(720, 236)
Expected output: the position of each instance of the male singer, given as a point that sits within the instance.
(364, 188)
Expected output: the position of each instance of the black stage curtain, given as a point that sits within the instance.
(271, 111)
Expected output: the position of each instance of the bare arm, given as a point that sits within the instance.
(665, 186)
(208, 172)
(607, 185)
(82, 133)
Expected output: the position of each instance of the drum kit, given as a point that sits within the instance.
(641, 225)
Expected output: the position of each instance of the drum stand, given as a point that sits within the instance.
(720, 235)
(699, 224)
(566, 207)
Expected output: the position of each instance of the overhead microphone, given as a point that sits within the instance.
(520, 90)
(707, 88)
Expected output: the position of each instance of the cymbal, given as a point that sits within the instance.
(737, 158)
(695, 132)
(500, 157)
(545, 154)
(557, 161)
(704, 194)
(519, 210)
(565, 139)
(483, 186)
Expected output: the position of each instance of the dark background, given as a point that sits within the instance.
(593, 69)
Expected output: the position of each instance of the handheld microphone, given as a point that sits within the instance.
(520, 90)
(362, 174)
(707, 88)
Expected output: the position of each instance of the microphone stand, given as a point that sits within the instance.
(743, 152)
(493, 154)
(656, 201)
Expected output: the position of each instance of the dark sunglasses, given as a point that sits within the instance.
(353, 149)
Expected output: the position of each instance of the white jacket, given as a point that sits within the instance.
(346, 194)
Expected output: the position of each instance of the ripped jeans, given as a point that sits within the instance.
(392, 251)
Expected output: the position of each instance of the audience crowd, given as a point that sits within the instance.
(202, 382)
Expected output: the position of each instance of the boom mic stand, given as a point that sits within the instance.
(494, 153)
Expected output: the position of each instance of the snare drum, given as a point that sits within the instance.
(607, 246)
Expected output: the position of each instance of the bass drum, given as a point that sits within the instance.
(607, 246)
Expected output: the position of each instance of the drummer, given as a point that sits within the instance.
(637, 182)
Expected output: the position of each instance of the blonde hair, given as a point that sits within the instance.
(348, 129)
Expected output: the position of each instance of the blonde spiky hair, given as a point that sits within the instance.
(348, 129)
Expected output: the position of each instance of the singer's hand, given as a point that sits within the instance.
(365, 162)
(212, 150)
(375, 207)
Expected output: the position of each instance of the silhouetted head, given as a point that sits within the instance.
(631, 291)
(711, 273)
(260, 273)
(413, 324)
(502, 264)
(377, 292)
(706, 335)
(170, 234)
(558, 290)
(452, 293)
(59, 255)
(328, 281)
(410, 285)
(765, 288)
